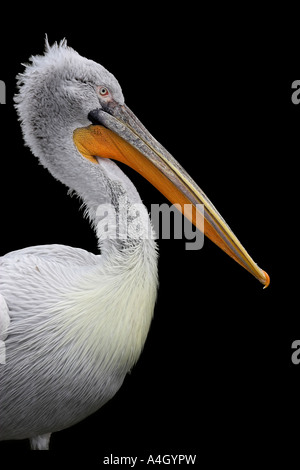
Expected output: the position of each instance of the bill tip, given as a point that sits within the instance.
(267, 279)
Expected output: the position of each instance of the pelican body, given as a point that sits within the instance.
(73, 323)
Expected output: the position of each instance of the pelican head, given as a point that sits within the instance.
(75, 120)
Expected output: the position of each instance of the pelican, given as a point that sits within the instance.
(73, 323)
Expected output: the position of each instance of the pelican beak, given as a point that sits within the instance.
(116, 133)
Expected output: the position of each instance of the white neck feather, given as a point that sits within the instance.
(107, 309)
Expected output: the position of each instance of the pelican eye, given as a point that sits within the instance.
(103, 91)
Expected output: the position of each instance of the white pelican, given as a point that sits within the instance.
(72, 323)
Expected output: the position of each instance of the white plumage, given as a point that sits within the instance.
(4, 324)
(78, 320)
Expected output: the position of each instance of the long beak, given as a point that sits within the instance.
(116, 133)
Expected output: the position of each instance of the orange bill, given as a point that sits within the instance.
(129, 142)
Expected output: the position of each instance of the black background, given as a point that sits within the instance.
(216, 375)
